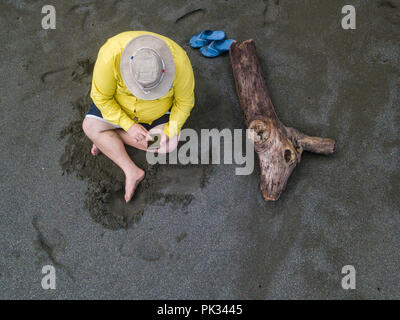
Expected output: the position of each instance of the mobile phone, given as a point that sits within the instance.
(155, 142)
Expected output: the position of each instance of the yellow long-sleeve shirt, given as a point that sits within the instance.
(119, 106)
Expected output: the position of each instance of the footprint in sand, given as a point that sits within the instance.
(129, 213)
(271, 11)
(52, 75)
(145, 248)
(150, 249)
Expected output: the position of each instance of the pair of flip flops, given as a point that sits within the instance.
(211, 43)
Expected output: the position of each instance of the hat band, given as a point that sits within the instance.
(144, 89)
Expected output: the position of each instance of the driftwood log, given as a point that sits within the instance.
(279, 148)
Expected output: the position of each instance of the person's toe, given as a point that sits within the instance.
(95, 151)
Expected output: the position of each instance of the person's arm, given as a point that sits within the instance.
(104, 84)
(183, 96)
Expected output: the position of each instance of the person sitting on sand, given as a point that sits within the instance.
(142, 83)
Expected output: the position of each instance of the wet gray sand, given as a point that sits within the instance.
(199, 231)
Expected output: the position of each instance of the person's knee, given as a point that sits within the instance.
(86, 126)
(89, 127)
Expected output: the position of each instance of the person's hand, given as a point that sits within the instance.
(164, 141)
(139, 134)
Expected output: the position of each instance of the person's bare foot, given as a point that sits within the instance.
(95, 151)
(131, 182)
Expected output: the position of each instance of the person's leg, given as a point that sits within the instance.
(128, 140)
(109, 142)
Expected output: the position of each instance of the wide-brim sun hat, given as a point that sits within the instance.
(147, 67)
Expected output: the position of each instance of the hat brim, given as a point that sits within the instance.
(161, 47)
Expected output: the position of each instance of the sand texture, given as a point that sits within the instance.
(200, 231)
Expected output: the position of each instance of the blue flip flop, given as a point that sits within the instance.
(213, 35)
(197, 42)
(202, 39)
(216, 48)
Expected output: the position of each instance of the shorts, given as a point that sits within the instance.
(94, 112)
